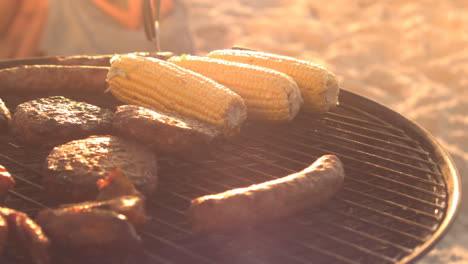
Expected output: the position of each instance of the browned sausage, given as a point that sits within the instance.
(269, 200)
(38, 78)
(95, 60)
(171, 133)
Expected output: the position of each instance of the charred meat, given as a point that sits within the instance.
(5, 117)
(27, 235)
(3, 233)
(133, 207)
(55, 120)
(89, 232)
(73, 169)
(116, 184)
(7, 182)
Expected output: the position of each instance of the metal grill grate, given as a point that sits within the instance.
(394, 199)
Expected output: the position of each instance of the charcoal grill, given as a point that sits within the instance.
(400, 195)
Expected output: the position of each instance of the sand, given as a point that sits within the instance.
(411, 56)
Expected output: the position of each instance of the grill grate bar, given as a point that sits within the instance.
(349, 244)
(410, 176)
(377, 140)
(397, 193)
(387, 228)
(26, 198)
(185, 231)
(436, 184)
(416, 159)
(366, 235)
(370, 131)
(155, 257)
(21, 164)
(378, 157)
(366, 114)
(30, 183)
(323, 251)
(397, 218)
(369, 184)
(335, 115)
(380, 177)
(179, 248)
(393, 204)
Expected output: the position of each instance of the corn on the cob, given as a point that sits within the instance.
(268, 94)
(319, 87)
(162, 85)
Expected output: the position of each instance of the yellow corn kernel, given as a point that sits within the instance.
(318, 86)
(161, 85)
(268, 94)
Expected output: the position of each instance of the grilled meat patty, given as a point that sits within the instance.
(55, 120)
(89, 232)
(7, 182)
(73, 169)
(165, 132)
(27, 235)
(5, 117)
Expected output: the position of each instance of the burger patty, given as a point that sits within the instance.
(5, 117)
(169, 133)
(55, 120)
(73, 169)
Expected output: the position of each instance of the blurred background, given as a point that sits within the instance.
(408, 55)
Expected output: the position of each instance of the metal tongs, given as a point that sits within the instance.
(151, 17)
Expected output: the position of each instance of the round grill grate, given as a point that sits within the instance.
(400, 194)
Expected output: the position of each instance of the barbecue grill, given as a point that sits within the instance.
(400, 195)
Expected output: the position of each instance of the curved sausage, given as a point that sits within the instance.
(269, 200)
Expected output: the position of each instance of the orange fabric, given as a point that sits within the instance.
(22, 31)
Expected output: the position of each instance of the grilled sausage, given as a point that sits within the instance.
(56, 120)
(27, 234)
(53, 78)
(72, 169)
(165, 132)
(5, 117)
(7, 182)
(269, 200)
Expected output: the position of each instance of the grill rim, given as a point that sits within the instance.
(443, 159)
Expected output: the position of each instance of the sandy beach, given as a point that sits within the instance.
(408, 55)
